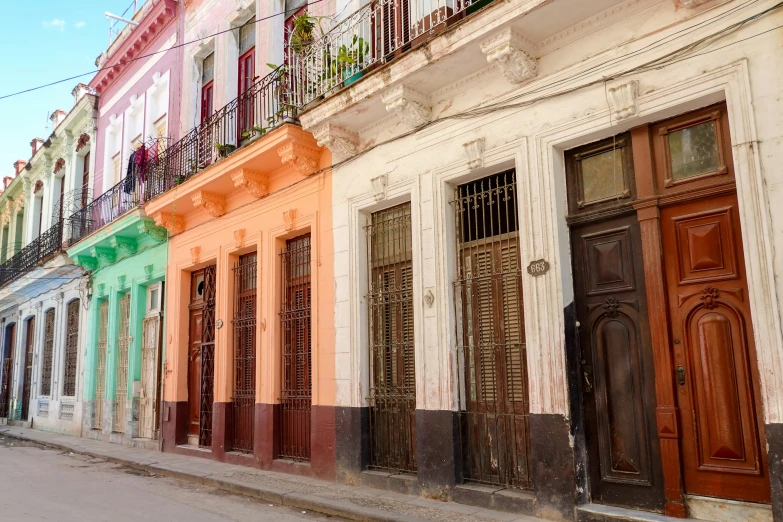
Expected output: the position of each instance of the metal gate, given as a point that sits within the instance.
(493, 365)
(28, 368)
(207, 359)
(296, 396)
(245, 351)
(71, 349)
(5, 377)
(121, 365)
(46, 356)
(392, 373)
(100, 365)
(150, 376)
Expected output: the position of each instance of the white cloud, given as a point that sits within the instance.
(80, 24)
(55, 23)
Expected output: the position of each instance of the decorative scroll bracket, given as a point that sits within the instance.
(511, 53)
(624, 100)
(474, 151)
(303, 159)
(379, 184)
(257, 185)
(214, 204)
(411, 106)
(343, 143)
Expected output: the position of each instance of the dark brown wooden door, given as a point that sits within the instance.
(28, 367)
(616, 364)
(194, 371)
(715, 359)
(7, 369)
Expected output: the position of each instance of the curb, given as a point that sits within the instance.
(325, 506)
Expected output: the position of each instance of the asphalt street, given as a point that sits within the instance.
(37, 483)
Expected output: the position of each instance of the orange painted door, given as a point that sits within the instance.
(714, 356)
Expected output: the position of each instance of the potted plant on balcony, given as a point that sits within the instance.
(351, 58)
(225, 149)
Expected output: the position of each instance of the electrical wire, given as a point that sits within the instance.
(148, 55)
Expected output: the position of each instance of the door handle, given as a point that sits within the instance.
(680, 375)
(588, 384)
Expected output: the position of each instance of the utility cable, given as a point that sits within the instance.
(148, 55)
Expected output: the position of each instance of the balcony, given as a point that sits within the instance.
(396, 65)
(36, 252)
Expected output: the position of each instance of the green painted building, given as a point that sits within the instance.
(126, 261)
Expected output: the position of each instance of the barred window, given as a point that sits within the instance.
(71, 348)
(46, 356)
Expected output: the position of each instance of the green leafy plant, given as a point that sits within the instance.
(225, 150)
(302, 35)
(179, 179)
(255, 129)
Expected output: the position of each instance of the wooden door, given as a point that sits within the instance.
(27, 366)
(714, 368)
(714, 354)
(7, 370)
(616, 365)
(194, 351)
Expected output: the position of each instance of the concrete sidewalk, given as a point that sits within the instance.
(355, 503)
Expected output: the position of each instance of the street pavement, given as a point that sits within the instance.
(37, 483)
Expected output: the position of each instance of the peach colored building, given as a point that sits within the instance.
(250, 339)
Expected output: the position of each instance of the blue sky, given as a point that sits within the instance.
(45, 41)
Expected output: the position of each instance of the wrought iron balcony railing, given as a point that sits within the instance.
(72, 201)
(262, 107)
(38, 250)
(375, 34)
(8, 250)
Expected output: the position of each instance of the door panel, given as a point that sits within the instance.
(28, 368)
(714, 353)
(194, 371)
(618, 379)
(7, 370)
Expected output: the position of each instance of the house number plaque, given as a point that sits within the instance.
(538, 267)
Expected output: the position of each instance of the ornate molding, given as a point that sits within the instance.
(82, 142)
(256, 184)
(87, 262)
(411, 106)
(511, 53)
(195, 254)
(121, 281)
(214, 204)
(624, 100)
(300, 157)
(58, 166)
(105, 254)
(164, 222)
(379, 185)
(148, 271)
(474, 151)
(709, 296)
(239, 238)
(126, 245)
(342, 142)
(289, 217)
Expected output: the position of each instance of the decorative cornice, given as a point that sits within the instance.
(126, 245)
(158, 233)
(105, 254)
(58, 166)
(623, 100)
(256, 184)
(474, 151)
(511, 53)
(83, 140)
(173, 223)
(342, 142)
(135, 43)
(301, 158)
(411, 106)
(121, 281)
(214, 204)
(689, 4)
(87, 262)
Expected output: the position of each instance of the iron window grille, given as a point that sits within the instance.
(121, 365)
(100, 365)
(47, 354)
(245, 285)
(392, 371)
(493, 391)
(296, 395)
(28, 369)
(71, 349)
(207, 359)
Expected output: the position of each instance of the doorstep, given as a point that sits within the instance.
(353, 503)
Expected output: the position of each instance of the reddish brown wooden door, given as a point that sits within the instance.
(194, 371)
(615, 350)
(714, 355)
(7, 369)
(27, 366)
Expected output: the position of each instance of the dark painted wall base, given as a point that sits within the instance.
(437, 446)
(266, 442)
(552, 459)
(352, 446)
(774, 433)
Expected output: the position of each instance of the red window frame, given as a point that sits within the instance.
(207, 92)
